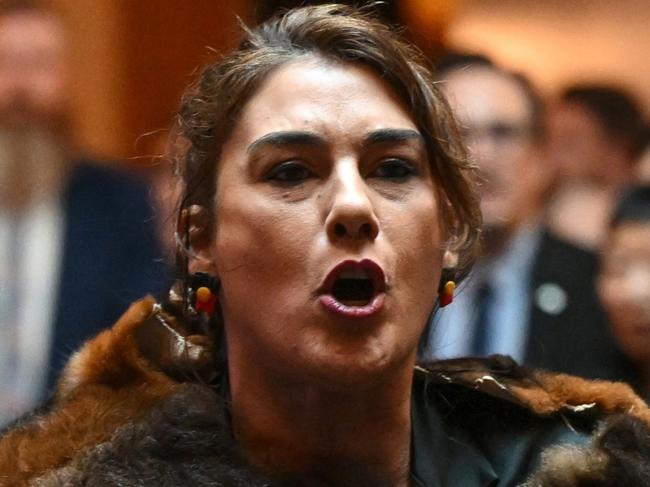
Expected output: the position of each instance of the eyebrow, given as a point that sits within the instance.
(284, 138)
(300, 138)
(382, 136)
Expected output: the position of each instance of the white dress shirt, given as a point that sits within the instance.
(30, 259)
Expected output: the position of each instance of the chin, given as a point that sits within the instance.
(358, 361)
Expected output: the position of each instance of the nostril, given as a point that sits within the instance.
(365, 230)
(339, 230)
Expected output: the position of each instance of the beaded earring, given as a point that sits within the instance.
(202, 289)
(446, 295)
(447, 287)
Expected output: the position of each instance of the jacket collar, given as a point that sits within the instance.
(441, 454)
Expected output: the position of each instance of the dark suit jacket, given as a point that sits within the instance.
(111, 256)
(576, 340)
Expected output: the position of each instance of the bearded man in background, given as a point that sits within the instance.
(76, 243)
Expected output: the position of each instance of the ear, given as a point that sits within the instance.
(449, 259)
(193, 232)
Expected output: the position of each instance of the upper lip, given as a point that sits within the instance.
(374, 270)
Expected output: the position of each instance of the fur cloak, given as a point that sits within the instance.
(132, 409)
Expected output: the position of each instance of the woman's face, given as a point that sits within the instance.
(327, 241)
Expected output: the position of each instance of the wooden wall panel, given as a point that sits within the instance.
(165, 42)
(131, 60)
(96, 63)
(559, 42)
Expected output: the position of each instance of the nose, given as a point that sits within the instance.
(351, 214)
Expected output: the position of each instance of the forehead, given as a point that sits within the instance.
(325, 97)
(25, 31)
(480, 95)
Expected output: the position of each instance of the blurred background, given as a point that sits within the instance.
(132, 59)
(88, 91)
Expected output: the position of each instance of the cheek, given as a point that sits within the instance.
(257, 241)
(621, 310)
(420, 250)
(609, 291)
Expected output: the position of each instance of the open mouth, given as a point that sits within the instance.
(354, 288)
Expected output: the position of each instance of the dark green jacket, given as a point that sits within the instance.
(463, 437)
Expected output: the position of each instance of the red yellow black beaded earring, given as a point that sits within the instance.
(447, 287)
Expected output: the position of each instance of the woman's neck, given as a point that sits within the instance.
(323, 435)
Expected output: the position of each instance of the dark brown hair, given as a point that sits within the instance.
(30, 7)
(456, 61)
(633, 206)
(336, 33)
(615, 110)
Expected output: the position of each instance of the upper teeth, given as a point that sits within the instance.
(354, 273)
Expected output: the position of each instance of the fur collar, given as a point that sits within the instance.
(120, 418)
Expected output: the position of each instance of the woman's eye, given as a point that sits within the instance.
(290, 172)
(397, 169)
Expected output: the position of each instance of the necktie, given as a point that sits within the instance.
(481, 339)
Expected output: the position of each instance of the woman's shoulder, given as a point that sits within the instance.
(121, 417)
(183, 440)
(518, 424)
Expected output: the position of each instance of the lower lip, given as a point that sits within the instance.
(370, 309)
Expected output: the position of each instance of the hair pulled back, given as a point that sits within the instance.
(336, 33)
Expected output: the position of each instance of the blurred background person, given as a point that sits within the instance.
(593, 141)
(624, 281)
(531, 295)
(76, 242)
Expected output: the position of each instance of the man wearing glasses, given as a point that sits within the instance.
(532, 295)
